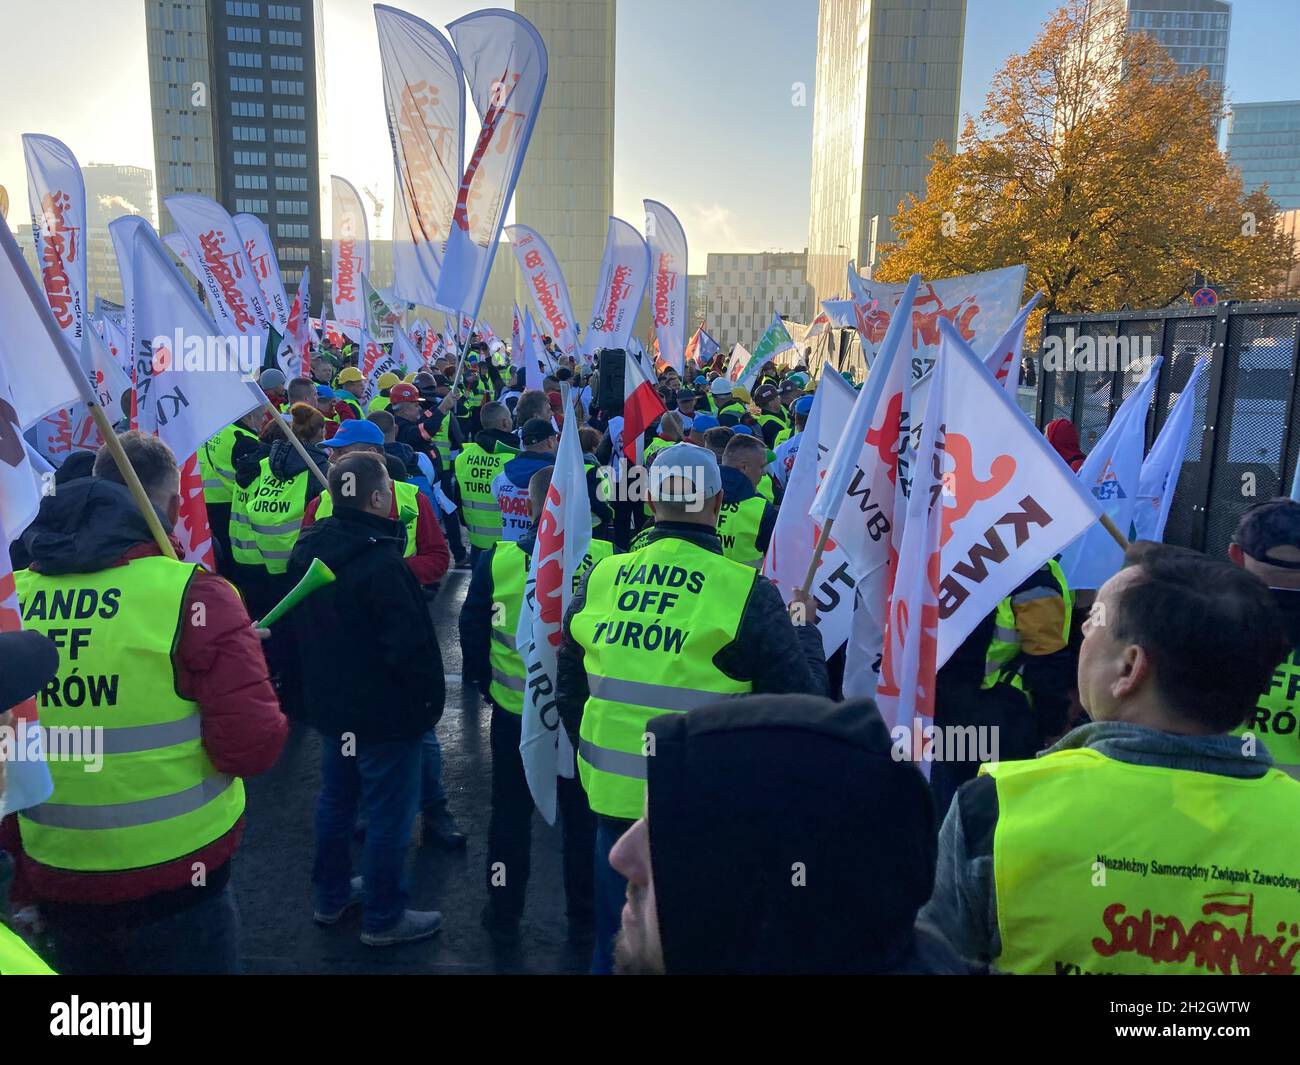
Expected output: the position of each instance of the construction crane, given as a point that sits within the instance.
(379, 204)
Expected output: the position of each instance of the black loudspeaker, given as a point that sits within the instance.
(610, 363)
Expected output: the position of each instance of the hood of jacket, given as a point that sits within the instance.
(491, 440)
(521, 468)
(286, 463)
(741, 789)
(84, 527)
(1064, 438)
(736, 487)
(345, 535)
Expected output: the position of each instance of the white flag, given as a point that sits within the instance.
(990, 502)
(195, 389)
(38, 382)
(350, 257)
(624, 272)
(1003, 359)
(266, 269)
(668, 296)
(234, 297)
(790, 549)
(563, 535)
(546, 286)
(1160, 469)
(375, 362)
(1111, 472)
(424, 97)
(505, 64)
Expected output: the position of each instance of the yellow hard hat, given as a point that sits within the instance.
(739, 392)
(349, 374)
(387, 380)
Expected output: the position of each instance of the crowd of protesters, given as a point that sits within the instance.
(730, 810)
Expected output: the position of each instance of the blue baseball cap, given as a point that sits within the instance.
(703, 422)
(742, 430)
(324, 392)
(803, 405)
(356, 431)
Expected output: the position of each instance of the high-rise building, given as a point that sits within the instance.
(1193, 32)
(1264, 142)
(888, 84)
(111, 191)
(744, 291)
(566, 187)
(242, 76)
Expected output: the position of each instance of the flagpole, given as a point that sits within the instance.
(460, 361)
(1109, 525)
(91, 400)
(292, 437)
(818, 548)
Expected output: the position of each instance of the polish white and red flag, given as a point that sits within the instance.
(641, 408)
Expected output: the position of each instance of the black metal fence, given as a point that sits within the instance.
(1244, 440)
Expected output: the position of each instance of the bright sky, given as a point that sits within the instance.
(704, 119)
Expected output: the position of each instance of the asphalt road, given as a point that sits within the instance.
(272, 873)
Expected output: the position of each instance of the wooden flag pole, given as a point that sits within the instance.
(818, 548)
(1113, 529)
(132, 479)
(292, 437)
(88, 397)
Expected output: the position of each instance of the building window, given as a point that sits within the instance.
(284, 12)
(289, 37)
(289, 111)
(291, 229)
(246, 59)
(291, 206)
(250, 206)
(248, 133)
(287, 88)
(250, 159)
(245, 84)
(243, 10)
(300, 255)
(290, 184)
(290, 136)
(286, 62)
(247, 109)
(250, 181)
(244, 34)
(294, 159)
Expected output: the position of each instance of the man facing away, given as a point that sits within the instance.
(371, 719)
(130, 864)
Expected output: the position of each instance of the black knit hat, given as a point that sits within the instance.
(785, 838)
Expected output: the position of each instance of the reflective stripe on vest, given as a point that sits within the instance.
(408, 511)
(738, 525)
(475, 470)
(275, 511)
(243, 547)
(217, 464)
(649, 627)
(156, 797)
(509, 574)
(1004, 648)
(17, 958)
(1274, 723)
(1101, 866)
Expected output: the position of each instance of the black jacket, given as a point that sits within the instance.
(389, 684)
(769, 651)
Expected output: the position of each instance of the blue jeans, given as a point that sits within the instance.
(432, 792)
(384, 780)
(611, 893)
(199, 939)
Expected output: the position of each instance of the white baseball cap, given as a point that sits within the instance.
(684, 473)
